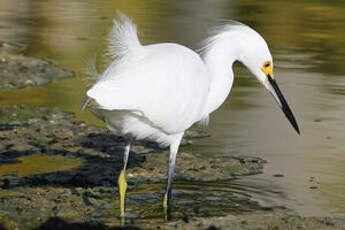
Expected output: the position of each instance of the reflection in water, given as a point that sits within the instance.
(307, 41)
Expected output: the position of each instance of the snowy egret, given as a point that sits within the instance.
(158, 91)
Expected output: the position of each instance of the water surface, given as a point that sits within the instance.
(307, 40)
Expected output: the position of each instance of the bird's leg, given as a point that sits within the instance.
(122, 183)
(167, 196)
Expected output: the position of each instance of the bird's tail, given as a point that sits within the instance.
(123, 37)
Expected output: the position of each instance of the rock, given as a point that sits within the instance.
(18, 71)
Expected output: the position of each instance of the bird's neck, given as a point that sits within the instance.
(219, 62)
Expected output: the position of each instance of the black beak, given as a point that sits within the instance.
(282, 102)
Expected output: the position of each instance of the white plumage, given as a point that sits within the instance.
(154, 91)
(158, 91)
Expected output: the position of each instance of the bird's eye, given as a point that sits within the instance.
(267, 64)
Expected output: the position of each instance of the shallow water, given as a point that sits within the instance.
(38, 164)
(307, 40)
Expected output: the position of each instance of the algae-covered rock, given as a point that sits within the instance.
(19, 71)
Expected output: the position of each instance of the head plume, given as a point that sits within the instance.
(123, 37)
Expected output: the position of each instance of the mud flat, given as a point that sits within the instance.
(55, 171)
(59, 173)
(258, 221)
(52, 165)
(19, 71)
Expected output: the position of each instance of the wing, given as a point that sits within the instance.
(168, 84)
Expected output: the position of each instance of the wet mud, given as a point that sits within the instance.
(59, 173)
(52, 165)
(19, 71)
(258, 221)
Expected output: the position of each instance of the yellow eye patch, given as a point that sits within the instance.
(267, 69)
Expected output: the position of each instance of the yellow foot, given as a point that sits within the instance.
(165, 206)
(122, 192)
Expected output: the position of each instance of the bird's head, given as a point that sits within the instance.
(255, 55)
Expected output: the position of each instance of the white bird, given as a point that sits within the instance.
(158, 91)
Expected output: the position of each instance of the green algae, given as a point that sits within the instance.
(38, 164)
(2, 214)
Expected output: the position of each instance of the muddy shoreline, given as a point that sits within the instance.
(52, 165)
(20, 71)
(58, 173)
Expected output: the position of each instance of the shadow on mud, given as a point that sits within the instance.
(56, 223)
(94, 171)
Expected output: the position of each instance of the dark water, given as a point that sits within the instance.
(307, 40)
